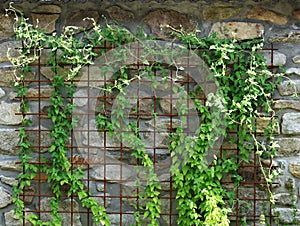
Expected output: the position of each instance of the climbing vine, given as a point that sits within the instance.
(245, 90)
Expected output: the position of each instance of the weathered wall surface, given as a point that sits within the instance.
(278, 21)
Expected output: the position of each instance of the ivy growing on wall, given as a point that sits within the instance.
(246, 86)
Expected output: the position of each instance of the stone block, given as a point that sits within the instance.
(286, 215)
(6, 26)
(295, 169)
(289, 87)
(12, 219)
(66, 206)
(8, 113)
(296, 59)
(50, 9)
(287, 104)
(291, 123)
(9, 48)
(8, 76)
(237, 30)
(293, 70)
(119, 14)
(279, 59)
(45, 22)
(267, 15)
(5, 198)
(285, 199)
(288, 146)
(77, 18)
(158, 18)
(220, 13)
(8, 141)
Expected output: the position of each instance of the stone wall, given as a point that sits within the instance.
(278, 21)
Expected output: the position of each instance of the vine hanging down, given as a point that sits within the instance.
(243, 91)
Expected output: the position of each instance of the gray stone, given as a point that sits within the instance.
(284, 104)
(45, 22)
(296, 59)
(267, 15)
(112, 173)
(9, 48)
(285, 199)
(11, 219)
(9, 180)
(262, 124)
(80, 97)
(290, 87)
(288, 146)
(8, 76)
(2, 93)
(295, 169)
(237, 30)
(286, 215)
(66, 206)
(100, 187)
(8, 113)
(55, 9)
(158, 18)
(119, 14)
(220, 13)
(8, 141)
(49, 74)
(76, 18)
(279, 59)
(291, 123)
(5, 198)
(293, 70)
(29, 193)
(165, 123)
(41, 138)
(10, 166)
(6, 26)
(127, 219)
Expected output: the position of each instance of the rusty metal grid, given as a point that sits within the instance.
(115, 193)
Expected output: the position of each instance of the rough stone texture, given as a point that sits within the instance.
(119, 14)
(44, 138)
(262, 124)
(296, 14)
(55, 9)
(296, 59)
(220, 13)
(63, 206)
(289, 87)
(8, 113)
(8, 180)
(9, 49)
(287, 104)
(291, 123)
(295, 169)
(8, 141)
(77, 18)
(127, 219)
(80, 97)
(286, 215)
(35, 93)
(12, 219)
(293, 70)
(238, 30)
(8, 77)
(279, 59)
(45, 22)
(6, 26)
(285, 199)
(112, 173)
(158, 18)
(289, 146)
(2, 93)
(267, 15)
(10, 166)
(5, 198)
